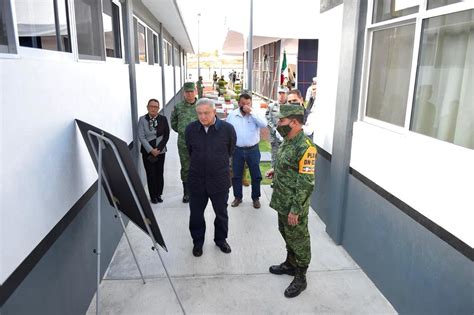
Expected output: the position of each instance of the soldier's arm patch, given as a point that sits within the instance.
(308, 161)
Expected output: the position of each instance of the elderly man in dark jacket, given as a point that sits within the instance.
(210, 144)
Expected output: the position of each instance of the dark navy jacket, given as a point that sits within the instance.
(209, 155)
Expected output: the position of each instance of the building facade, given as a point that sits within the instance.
(394, 123)
(61, 60)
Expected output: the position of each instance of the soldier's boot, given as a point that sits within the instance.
(185, 193)
(285, 268)
(298, 284)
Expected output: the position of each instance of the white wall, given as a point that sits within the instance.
(177, 71)
(329, 25)
(169, 83)
(436, 178)
(45, 164)
(148, 86)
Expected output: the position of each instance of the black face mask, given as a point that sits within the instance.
(284, 130)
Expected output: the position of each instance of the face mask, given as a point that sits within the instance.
(284, 130)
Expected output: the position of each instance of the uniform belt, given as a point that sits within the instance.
(250, 147)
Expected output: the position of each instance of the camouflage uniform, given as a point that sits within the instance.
(293, 183)
(183, 114)
(200, 88)
(275, 138)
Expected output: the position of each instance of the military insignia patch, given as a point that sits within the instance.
(308, 161)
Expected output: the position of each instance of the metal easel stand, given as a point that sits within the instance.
(101, 139)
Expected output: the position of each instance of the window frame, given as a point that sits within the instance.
(168, 54)
(370, 28)
(74, 42)
(140, 23)
(153, 48)
(122, 44)
(12, 31)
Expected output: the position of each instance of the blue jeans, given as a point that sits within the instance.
(251, 156)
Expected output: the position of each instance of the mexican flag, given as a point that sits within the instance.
(284, 69)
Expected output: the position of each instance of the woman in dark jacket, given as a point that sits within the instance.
(153, 133)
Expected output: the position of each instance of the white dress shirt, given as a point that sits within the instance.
(247, 127)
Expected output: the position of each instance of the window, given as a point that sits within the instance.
(176, 57)
(434, 96)
(7, 39)
(444, 103)
(112, 32)
(90, 40)
(389, 9)
(389, 75)
(43, 24)
(439, 3)
(167, 52)
(141, 38)
(156, 49)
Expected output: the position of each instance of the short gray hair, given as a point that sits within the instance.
(206, 101)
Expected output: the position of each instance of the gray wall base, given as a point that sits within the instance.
(415, 270)
(320, 196)
(64, 280)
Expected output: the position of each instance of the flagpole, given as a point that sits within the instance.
(250, 51)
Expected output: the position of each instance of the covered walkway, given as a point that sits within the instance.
(230, 283)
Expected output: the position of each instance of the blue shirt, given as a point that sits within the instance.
(247, 127)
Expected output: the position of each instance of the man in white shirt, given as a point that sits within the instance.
(247, 124)
(311, 91)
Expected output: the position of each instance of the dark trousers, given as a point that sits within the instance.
(251, 156)
(154, 175)
(197, 224)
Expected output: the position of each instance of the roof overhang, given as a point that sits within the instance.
(168, 13)
(235, 43)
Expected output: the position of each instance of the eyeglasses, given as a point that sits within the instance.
(153, 106)
(294, 102)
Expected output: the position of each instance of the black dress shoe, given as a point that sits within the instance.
(159, 199)
(154, 200)
(185, 199)
(224, 246)
(197, 251)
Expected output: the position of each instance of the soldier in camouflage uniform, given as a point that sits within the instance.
(272, 118)
(293, 182)
(183, 114)
(200, 87)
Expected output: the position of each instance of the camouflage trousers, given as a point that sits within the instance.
(184, 160)
(297, 240)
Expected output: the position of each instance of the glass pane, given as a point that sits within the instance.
(89, 29)
(156, 49)
(64, 38)
(165, 52)
(141, 43)
(37, 27)
(151, 50)
(390, 9)
(111, 19)
(7, 42)
(176, 57)
(439, 3)
(443, 105)
(389, 76)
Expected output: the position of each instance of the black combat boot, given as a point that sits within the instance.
(185, 193)
(298, 284)
(285, 268)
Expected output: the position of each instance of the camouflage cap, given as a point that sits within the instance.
(189, 86)
(290, 110)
